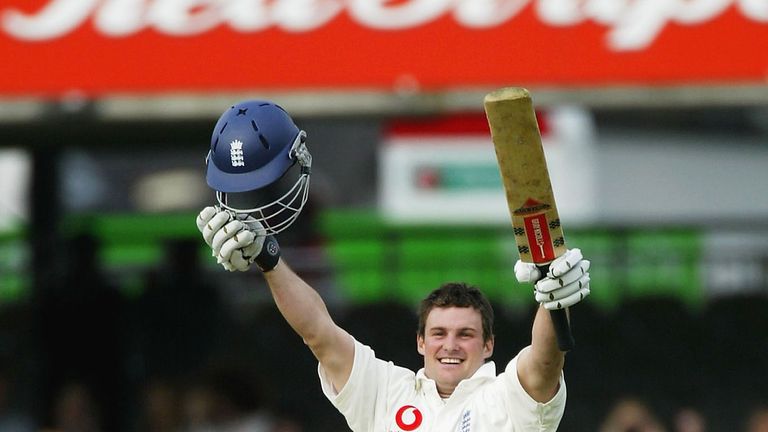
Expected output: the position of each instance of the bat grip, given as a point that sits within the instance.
(565, 341)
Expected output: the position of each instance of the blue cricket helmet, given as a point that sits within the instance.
(253, 145)
(250, 147)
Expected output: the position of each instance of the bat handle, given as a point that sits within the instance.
(565, 340)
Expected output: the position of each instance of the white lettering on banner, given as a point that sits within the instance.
(756, 9)
(57, 19)
(631, 24)
(377, 14)
(247, 17)
(304, 15)
(605, 12)
(120, 17)
(487, 13)
(184, 17)
(639, 25)
(560, 12)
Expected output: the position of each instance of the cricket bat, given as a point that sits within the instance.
(531, 202)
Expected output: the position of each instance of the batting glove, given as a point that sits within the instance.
(566, 283)
(237, 241)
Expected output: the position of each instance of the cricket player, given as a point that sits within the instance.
(458, 389)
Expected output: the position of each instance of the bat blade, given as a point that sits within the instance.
(531, 201)
(524, 172)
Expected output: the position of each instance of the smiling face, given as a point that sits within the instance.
(453, 346)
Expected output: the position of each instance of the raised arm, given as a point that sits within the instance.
(566, 284)
(237, 243)
(304, 309)
(539, 367)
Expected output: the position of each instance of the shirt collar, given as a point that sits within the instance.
(486, 371)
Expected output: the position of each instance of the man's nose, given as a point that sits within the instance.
(450, 344)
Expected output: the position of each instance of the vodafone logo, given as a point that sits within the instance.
(408, 418)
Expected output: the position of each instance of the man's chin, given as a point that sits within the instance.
(451, 375)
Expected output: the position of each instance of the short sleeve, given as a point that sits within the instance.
(525, 410)
(363, 399)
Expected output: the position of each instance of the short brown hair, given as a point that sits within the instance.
(458, 294)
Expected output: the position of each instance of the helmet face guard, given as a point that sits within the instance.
(278, 215)
(254, 145)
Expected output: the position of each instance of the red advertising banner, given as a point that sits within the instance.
(50, 47)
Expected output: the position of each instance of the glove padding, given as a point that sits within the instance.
(237, 241)
(566, 283)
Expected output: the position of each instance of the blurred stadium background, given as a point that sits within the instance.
(113, 317)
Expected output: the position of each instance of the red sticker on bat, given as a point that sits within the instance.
(539, 240)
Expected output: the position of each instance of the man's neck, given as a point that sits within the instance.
(445, 392)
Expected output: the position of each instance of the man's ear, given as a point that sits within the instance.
(488, 347)
(420, 344)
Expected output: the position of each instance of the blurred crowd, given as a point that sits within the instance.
(97, 361)
(632, 414)
(221, 401)
(224, 400)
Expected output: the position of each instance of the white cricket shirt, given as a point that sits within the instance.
(382, 397)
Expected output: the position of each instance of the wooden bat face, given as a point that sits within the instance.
(523, 167)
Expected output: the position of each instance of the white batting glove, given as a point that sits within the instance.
(235, 241)
(566, 283)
